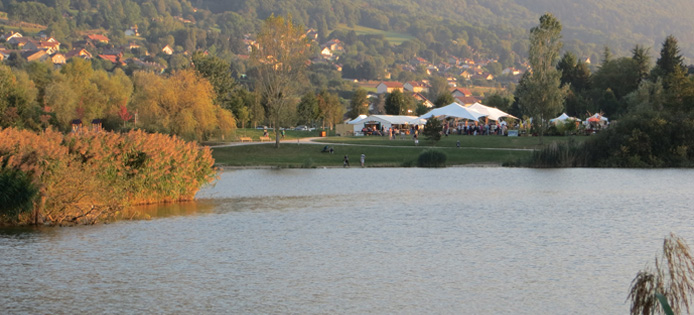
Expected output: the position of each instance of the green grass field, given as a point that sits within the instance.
(309, 155)
(393, 37)
(497, 142)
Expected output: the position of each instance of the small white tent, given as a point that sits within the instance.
(454, 110)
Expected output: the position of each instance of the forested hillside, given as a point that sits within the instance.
(616, 23)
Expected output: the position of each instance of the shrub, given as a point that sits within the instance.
(432, 158)
(83, 178)
(17, 194)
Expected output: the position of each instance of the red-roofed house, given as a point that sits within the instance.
(78, 52)
(415, 87)
(460, 92)
(10, 35)
(58, 59)
(98, 38)
(115, 59)
(389, 87)
(467, 100)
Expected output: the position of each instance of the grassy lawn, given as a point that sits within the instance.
(309, 155)
(255, 134)
(450, 141)
(392, 37)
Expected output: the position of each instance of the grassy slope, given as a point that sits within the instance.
(393, 37)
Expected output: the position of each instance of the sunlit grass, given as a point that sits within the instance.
(309, 155)
(392, 37)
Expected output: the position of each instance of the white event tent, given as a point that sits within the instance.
(382, 121)
(563, 118)
(492, 113)
(454, 110)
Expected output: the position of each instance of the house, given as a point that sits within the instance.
(20, 42)
(326, 53)
(132, 31)
(98, 38)
(467, 75)
(483, 76)
(130, 47)
(250, 44)
(78, 52)
(35, 55)
(58, 59)
(4, 53)
(311, 34)
(467, 100)
(460, 92)
(334, 45)
(114, 59)
(419, 61)
(50, 47)
(389, 87)
(420, 98)
(510, 71)
(415, 87)
(86, 44)
(167, 50)
(10, 35)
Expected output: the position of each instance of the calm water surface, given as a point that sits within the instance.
(406, 241)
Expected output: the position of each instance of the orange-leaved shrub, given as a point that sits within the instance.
(84, 178)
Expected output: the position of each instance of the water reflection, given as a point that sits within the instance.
(459, 240)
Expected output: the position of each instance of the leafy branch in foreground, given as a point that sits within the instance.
(670, 285)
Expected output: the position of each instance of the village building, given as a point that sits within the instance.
(389, 87)
(415, 87)
(58, 59)
(167, 50)
(98, 38)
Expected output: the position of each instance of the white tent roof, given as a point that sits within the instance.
(561, 117)
(493, 113)
(357, 120)
(389, 119)
(454, 110)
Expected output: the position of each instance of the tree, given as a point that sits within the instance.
(670, 59)
(279, 60)
(124, 115)
(218, 72)
(541, 95)
(330, 108)
(444, 99)
(642, 59)
(359, 103)
(432, 129)
(396, 104)
(307, 110)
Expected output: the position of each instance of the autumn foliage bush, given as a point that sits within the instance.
(84, 178)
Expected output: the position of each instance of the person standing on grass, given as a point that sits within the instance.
(363, 157)
(346, 162)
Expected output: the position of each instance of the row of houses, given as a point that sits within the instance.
(44, 48)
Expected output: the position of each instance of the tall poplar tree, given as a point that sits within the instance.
(280, 60)
(542, 95)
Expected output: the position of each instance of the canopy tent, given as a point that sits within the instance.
(492, 113)
(563, 118)
(357, 120)
(381, 122)
(454, 110)
(597, 118)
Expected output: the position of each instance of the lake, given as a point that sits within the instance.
(394, 240)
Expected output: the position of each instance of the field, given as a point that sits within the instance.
(381, 152)
(394, 38)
